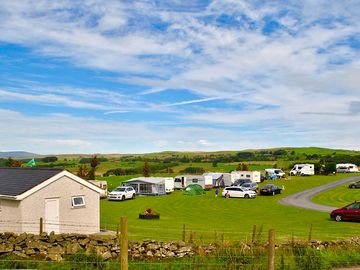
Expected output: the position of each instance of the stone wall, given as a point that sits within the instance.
(56, 246)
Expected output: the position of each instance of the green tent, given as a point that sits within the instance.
(193, 189)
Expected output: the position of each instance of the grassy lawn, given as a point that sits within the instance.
(210, 217)
(339, 196)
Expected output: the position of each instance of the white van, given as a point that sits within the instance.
(346, 168)
(303, 169)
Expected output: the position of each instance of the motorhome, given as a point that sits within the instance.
(182, 181)
(303, 169)
(346, 168)
(278, 173)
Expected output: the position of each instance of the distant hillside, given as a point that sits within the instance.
(300, 152)
(17, 154)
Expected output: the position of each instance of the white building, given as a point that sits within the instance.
(65, 202)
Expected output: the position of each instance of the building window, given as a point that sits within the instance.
(78, 201)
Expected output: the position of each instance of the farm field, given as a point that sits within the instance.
(339, 196)
(209, 217)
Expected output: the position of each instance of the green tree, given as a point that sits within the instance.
(330, 168)
(146, 169)
(93, 164)
(83, 171)
(242, 167)
(12, 163)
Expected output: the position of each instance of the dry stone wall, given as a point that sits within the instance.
(57, 246)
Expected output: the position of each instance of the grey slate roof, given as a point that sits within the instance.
(15, 181)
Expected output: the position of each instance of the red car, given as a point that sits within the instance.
(349, 212)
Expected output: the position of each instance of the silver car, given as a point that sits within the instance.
(250, 186)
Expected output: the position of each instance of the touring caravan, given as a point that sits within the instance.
(346, 168)
(101, 184)
(182, 181)
(254, 176)
(303, 169)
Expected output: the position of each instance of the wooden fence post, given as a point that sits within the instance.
(271, 261)
(184, 233)
(310, 232)
(41, 225)
(124, 244)
(253, 238)
(191, 238)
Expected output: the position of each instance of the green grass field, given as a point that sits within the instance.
(210, 217)
(339, 196)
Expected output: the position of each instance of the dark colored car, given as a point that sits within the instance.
(270, 190)
(349, 212)
(355, 185)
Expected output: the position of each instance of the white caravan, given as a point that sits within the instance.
(346, 168)
(169, 184)
(219, 179)
(278, 172)
(101, 184)
(303, 169)
(182, 181)
(254, 176)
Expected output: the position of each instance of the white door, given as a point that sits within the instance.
(52, 216)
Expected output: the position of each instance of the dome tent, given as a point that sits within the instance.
(193, 189)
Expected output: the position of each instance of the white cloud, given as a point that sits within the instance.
(302, 79)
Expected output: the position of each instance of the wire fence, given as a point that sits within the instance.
(249, 249)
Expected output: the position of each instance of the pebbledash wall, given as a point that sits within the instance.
(20, 216)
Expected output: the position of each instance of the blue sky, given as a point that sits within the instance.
(143, 76)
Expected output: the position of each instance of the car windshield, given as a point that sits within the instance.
(120, 189)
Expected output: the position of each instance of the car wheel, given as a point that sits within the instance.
(352, 186)
(338, 218)
(246, 196)
(123, 198)
(133, 196)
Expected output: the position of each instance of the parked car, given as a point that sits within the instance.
(121, 194)
(238, 192)
(355, 185)
(250, 186)
(239, 182)
(270, 190)
(349, 212)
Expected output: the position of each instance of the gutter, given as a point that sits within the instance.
(8, 197)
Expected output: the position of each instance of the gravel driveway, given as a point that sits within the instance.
(302, 199)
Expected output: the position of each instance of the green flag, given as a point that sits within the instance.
(31, 163)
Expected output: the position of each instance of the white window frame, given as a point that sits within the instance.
(77, 205)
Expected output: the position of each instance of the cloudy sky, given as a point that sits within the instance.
(110, 76)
